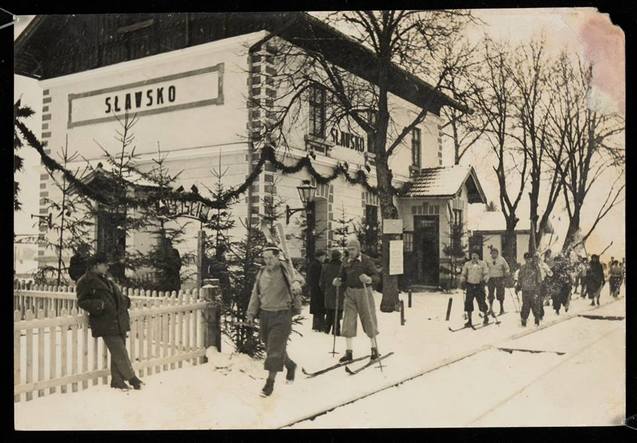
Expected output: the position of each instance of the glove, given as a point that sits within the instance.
(336, 282)
(364, 278)
(250, 320)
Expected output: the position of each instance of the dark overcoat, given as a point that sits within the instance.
(594, 277)
(316, 295)
(106, 305)
(330, 272)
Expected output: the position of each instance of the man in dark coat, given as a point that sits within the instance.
(594, 280)
(170, 266)
(108, 317)
(78, 263)
(333, 307)
(317, 307)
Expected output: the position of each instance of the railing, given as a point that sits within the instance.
(57, 351)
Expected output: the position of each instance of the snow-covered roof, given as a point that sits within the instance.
(446, 181)
(494, 221)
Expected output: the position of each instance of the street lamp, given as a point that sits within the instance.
(307, 192)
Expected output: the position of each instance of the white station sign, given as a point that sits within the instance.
(396, 257)
(184, 90)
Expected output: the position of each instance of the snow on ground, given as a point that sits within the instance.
(500, 389)
(223, 394)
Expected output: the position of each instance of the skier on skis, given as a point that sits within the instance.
(529, 282)
(275, 299)
(357, 271)
(473, 277)
(498, 271)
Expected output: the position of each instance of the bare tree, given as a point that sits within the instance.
(463, 127)
(531, 76)
(495, 102)
(409, 39)
(590, 145)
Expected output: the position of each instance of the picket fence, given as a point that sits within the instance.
(53, 299)
(54, 348)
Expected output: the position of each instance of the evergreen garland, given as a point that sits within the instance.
(267, 154)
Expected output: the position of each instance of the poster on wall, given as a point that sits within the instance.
(395, 257)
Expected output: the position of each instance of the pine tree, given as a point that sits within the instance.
(218, 243)
(245, 264)
(167, 228)
(70, 218)
(122, 177)
(343, 227)
(19, 113)
(456, 250)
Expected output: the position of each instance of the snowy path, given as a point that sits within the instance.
(223, 394)
(584, 386)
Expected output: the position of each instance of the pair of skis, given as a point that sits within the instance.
(347, 369)
(480, 326)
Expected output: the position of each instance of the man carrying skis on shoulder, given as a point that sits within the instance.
(275, 299)
(474, 275)
(357, 274)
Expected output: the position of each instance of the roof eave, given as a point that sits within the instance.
(474, 176)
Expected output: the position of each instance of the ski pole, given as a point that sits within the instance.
(334, 323)
(368, 293)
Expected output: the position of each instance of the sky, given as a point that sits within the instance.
(578, 29)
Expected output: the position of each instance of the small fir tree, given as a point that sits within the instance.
(71, 218)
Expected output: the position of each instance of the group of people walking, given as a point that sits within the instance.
(541, 281)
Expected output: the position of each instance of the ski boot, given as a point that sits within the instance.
(267, 388)
(289, 375)
(523, 323)
(374, 354)
(486, 320)
(347, 357)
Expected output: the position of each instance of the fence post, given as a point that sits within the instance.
(402, 313)
(211, 315)
(449, 309)
(409, 298)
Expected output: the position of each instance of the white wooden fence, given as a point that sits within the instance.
(57, 351)
(53, 299)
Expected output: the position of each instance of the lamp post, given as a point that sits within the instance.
(307, 192)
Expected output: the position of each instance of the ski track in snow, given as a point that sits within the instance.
(224, 393)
